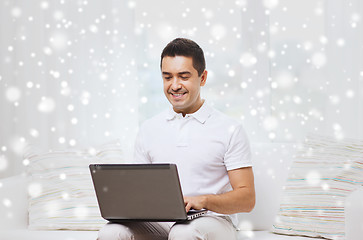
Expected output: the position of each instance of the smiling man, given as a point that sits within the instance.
(210, 149)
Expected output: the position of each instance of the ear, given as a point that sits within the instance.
(203, 78)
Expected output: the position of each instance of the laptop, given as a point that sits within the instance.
(140, 192)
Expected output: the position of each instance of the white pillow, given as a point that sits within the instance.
(321, 177)
(61, 193)
(270, 163)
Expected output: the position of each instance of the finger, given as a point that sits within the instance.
(188, 207)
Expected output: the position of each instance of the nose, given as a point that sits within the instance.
(175, 85)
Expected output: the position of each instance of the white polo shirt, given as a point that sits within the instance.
(204, 146)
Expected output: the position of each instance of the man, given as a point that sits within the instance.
(210, 149)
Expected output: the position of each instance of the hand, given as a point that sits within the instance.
(196, 202)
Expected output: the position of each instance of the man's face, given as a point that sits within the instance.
(182, 83)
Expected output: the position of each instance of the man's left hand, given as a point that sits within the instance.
(196, 202)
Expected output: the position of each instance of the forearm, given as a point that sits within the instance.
(238, 200)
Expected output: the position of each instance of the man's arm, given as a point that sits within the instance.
(240, 199)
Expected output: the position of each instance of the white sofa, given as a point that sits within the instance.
(271, 164)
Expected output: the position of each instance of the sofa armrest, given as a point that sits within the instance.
(353, 215)
(13, 202)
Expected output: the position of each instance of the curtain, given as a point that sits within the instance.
(68, 77)
(78, 73)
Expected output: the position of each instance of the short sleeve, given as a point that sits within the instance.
(238, 154)
(140, 153)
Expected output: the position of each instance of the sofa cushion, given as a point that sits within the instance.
(321, 177)
(92, 235)
(61, 194)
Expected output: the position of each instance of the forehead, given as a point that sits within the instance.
(177, 64)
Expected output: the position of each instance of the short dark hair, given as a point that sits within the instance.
(187, 48)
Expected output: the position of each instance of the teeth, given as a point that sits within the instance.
(178, 95)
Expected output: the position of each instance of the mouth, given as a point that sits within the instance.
(178, 95)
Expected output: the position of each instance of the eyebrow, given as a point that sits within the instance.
(183, 73)
(179, 73)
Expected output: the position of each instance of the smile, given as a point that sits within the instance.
(177, 95)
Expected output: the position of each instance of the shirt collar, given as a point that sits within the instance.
(201, 115)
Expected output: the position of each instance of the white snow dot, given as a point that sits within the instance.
(208, 14)
(325, 186)
(270, 3)
(51, 208)
(62, 176)
(92, 151)
(318, 59)
(35, 189)
(3, 163)
(26, 162)
(131, 4)
(284, 79)
(44, 5)
(81, 212)
(340, 42)
(271, 135)
(165, 31)
(58, 40)
(55, 74)
(93, 28)
(144, 100)
(58, 15)
(297, 100)
(13, 94)
(7, 202)
(74, 121)
(65, 196)
(218, 31)
(61, 140)
(103, 76)
(313, 177)
(253, 112)
(34, 133)
(85, 97)
(29, 84)
(334, 99)
(64, 84)
(337, 127)
(349, 93)
(355, 17)
(72, 142)
(47, 51)
(70, 107)
(46, 105)
(18, 145)
(16, 12)
(248, 60)
(270, 123)
(231, 73)
(244, 85)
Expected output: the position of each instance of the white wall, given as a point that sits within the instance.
(79, 73)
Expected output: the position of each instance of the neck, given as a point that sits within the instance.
(201, 102)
